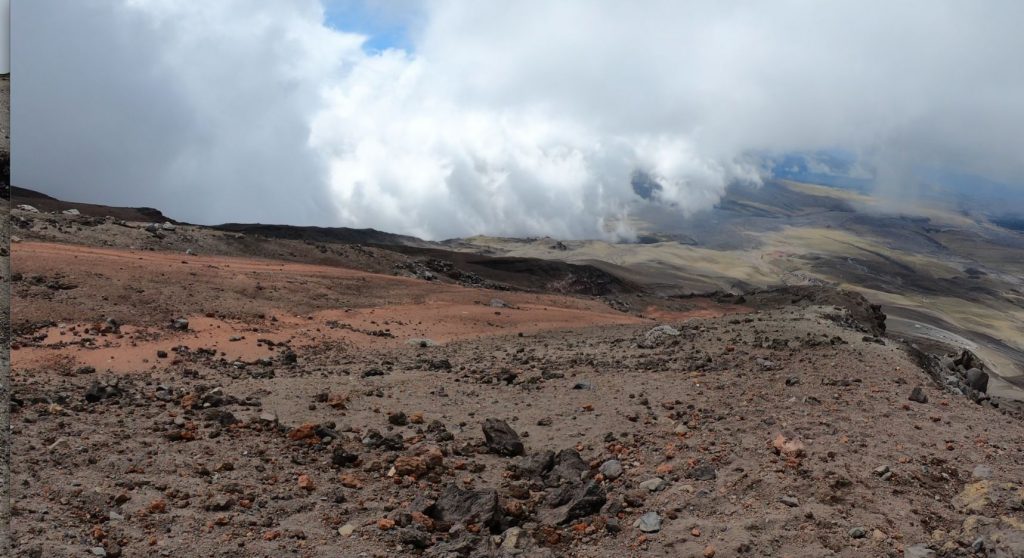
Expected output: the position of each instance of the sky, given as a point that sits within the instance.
(448, 118)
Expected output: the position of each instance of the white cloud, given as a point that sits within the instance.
(507, 118)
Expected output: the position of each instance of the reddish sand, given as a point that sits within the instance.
(411, 308)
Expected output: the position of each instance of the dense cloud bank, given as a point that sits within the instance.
(511, 118)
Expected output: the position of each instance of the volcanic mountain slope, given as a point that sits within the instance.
(946, 278)
(263, 396)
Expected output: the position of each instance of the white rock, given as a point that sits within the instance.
(649, 522)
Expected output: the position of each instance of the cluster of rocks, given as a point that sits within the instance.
(157, 229)
(430, 269)
(965, 375)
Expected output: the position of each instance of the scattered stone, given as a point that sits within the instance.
(346, 529)
(180, 324)
(653, 485)
(456, 505)
(501, 439)
(918, 395)
(881, 470)
(702, 472)
(918, 551)
(656, 335)
(587, 500)
(977, 380)
(982, 472)
(533, 466)
(398, 419)
(858, 533)
(568, 467)
(97, 392)
(649, 522)
(350, 481)
(611, 469)
(789, 501)
(515, 539)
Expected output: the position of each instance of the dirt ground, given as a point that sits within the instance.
(322, 410)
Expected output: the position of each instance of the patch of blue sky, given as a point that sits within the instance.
(385, 25)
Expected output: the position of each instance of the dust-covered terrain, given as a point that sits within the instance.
(944, 276)
(191, 391)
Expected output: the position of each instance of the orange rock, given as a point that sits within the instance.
(709, 551)
(305, 482)
(664, 468)
(407, 465)
(416, 418)
(789, 447)
(695, 531)
(431, 456)
(189, 401)
(157, 506)
(423, 519)
(271, 535)
(350, 481)
(307, 430)
(337, 400)
(385, 524)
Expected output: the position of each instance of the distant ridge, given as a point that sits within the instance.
(44, 202)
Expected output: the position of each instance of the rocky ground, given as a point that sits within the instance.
(5, 308)
(229, 404)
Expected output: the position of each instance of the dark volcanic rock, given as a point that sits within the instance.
(533, 466)
(456, 505)
(97, 392)
(977, 379)
(568, 467)
(585, 500)
(702, 472)
(918, 395)
(343, 458)
(501, 439)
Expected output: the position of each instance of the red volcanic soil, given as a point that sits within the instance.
(232, 302)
